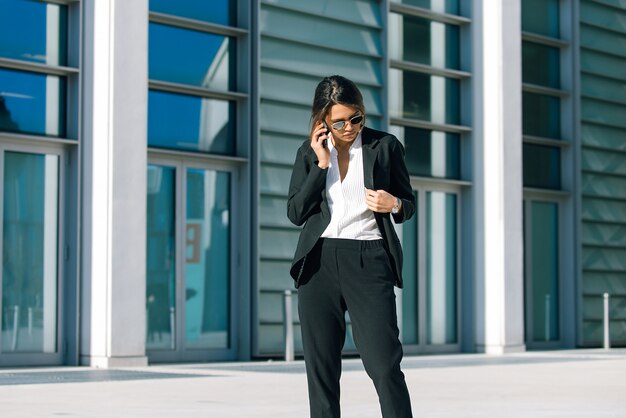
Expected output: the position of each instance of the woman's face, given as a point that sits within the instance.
(343, 113)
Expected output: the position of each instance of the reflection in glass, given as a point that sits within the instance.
(431, 153)
(410, 323)
(542, 166)
(32, 103)
(424, 97)
(207, 264)
(190, 57)
(541, 115)
(541, 17)
(439, 6)
(544, 271)
(33, 31)
(423, 41)
(191, 123)
(214, 11)
(161, 258)
(30, 250)
(441, 265)
(540, 65)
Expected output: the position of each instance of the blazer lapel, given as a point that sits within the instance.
(370, 152)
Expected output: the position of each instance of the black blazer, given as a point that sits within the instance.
(383, 168)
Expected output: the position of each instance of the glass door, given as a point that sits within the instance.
(189, 263)
(430, 298)
(31, 268)
(541, 273)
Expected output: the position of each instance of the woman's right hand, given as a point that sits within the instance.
(317, 143)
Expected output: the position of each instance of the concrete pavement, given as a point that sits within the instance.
(574, 383)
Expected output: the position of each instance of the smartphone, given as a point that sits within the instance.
(325, 142)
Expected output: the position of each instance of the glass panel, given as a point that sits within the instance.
(30, 252)
(431, 153)
(191, 57)
(544, 271)
(33, 31)
(207, 263)
(423, 41)
(541, 17)
(424, 97)
(541, 115)
(191, 123)
(410, 323)
(439, 6)
(441, 268)
(214, 11)
(32, 103)
(542, 166)
(540, 65)
(161, 258)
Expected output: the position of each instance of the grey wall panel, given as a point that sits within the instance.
(603, 164)
(301, 42)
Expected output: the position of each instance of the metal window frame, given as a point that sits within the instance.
(422, 187)
(181, 164)
(38, 358)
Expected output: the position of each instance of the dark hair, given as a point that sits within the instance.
(333, 90)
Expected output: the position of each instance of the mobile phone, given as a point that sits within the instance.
(325, 142)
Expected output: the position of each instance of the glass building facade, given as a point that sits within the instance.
(146, 151)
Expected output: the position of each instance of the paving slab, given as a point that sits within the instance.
(572, 383)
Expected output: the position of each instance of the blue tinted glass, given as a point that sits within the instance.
(432, 153)
(542, 166)
(33, 31)
(541, 17)
(439, 6)
(425, 41)
(410, 298)
(425, 97)
(32, 103)
(191, 57)
(441, 268)
(30, 253)
(207, 259)
(215, 11)
(161, 258)
(544, 271)
(541, 65)
(191, 123)
(541, 115)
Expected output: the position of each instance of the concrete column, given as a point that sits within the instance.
(497, 174)
(113, 173)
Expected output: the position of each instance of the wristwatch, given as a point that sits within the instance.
(396, 207)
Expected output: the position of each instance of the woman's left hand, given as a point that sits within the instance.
(379, 200)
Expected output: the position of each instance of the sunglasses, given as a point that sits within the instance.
(354, 120)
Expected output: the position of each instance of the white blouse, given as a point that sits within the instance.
(350, 216)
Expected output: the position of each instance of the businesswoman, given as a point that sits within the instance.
(348, 181)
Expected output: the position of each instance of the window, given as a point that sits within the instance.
(193, 68)
(426, 78)
(546, 142)
(195, 99)
(38, 69)
(39, 79)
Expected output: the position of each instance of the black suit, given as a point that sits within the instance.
(335, 275)
(383, 168)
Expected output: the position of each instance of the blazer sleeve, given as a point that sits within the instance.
(401, 184)
(308, 181)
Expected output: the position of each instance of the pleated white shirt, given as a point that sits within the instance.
(350, 216)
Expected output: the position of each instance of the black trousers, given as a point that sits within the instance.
(355, 276)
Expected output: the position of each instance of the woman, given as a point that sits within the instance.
(348, 181)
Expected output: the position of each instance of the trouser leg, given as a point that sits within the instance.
(322, 320)
(368, 288)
